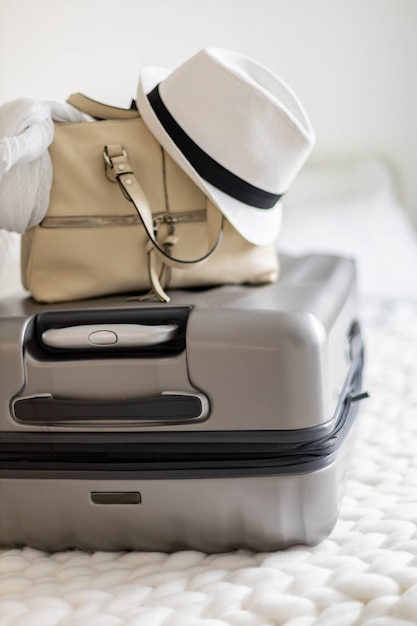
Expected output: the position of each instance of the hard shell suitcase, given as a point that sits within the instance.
(224, 419)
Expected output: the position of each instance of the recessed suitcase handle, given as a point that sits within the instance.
(90, 333)
(169, 407)
(108, 336)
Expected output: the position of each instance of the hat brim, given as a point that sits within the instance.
(258, 226)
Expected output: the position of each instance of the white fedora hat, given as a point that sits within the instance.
(235, 128)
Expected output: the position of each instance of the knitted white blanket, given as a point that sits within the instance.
(364, 574)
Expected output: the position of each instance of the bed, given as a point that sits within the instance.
(365, 572)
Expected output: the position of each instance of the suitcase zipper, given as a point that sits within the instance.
(95, 221)
(57, 454)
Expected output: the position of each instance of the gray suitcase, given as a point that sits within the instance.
(221, 420)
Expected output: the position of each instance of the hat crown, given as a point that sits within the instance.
(235, 128)
(241, 115)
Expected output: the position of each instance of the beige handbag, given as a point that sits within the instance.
(123, 217)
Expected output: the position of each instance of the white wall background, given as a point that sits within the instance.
(352, 62)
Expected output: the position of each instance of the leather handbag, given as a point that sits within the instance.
(123, 217)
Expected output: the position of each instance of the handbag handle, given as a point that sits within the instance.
(116, 160)
(99, 110)
(118, 169)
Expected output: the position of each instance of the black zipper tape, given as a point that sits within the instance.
(51, 453)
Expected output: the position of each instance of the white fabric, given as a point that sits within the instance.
(364, 574)
(10, 282)
(26, 132)
(241, 115)
(351, 208)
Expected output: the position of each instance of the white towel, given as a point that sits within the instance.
(26, 132)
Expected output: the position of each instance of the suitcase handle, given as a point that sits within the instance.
(170, 407)
(108, 333)
(110, 336)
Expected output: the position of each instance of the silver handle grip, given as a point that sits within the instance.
(108, 336)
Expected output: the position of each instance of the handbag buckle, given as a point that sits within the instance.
(115, 162)
(164, 218)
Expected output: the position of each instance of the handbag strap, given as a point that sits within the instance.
(119, 170)
(99, 110)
